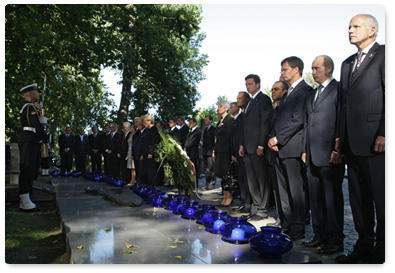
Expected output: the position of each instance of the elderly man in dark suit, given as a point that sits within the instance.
(192, 144)
(207, 152)
(81, 150)
(252, 145)
(112, 149)
(361, 132)
(325, 171)
(66, 145)
(286, 139)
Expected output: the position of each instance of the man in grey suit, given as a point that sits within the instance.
(252, 144)
(325, 171)
(286, 140)
(361, 132)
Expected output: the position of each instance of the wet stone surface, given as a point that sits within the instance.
(100, 231)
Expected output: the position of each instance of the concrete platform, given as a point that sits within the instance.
(104, 230)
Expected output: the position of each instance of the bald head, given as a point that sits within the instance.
(362, 30)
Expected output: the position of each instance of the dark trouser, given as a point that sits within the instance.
(366, 181)
(66, 161)
(258, 183)
(106, 163)
(209, 170)
(326, 202)
(274, 184)
(290, 188)
(125, 172)
(80, 163)
(148, 167)
(29, 158)
(45, 162)
(137, 169)
(113, 165)
(243, 182)
(96, 162)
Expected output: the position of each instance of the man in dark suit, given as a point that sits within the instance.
(104, 141)
(174, 131)
(207, 152)
(112, 149)
(66, 145)
(95, 146)
(123, 153)
(361, 132)
(81, 150)
(192, 144)
(286, 140)
(184, 130)
(243, 99)
(279, 88)
(325, 171)
(252, 145)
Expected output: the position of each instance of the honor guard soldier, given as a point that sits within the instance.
(29, 146)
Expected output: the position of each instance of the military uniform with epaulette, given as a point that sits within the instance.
(29, 140)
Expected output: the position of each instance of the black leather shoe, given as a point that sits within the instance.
(312, 243)
(330, 249)
(258, 217)
(354, 257)
(248, 215)
(37, 208)
(296, 236)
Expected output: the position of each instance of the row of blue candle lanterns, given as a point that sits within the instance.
(93, 176)
(269, 242)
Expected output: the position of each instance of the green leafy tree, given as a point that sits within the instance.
(61, 42)
(308, 77)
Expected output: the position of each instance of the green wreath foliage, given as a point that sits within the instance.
(176, 164)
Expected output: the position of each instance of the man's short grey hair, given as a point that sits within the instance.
(116, 125)
(225, 103)
(127, 123)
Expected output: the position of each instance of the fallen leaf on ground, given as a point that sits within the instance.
(202, 228)
(107, 229)
(80, 247)
(177, 257)
(90, 208)
(173, 246)
(129, 245)
(180, 242)
(155, 209)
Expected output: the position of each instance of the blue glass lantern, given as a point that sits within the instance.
(158, 201)
(215, 220)
(55, 173)
(270, 242)
(66, 174)
(237, 231)
(180, 204)
(75, 174)
(188, 210)
(167, 200)
(203, 212)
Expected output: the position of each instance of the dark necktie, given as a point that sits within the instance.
(358, 64)
(319, 92)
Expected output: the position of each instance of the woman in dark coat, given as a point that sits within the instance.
(148, 143)
(223, 151)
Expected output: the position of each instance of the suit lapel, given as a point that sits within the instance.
(368, 58)
(324, 94)
(286, 97)
(251, 104)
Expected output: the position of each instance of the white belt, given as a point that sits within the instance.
(32, 129)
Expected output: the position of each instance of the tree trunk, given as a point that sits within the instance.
(125, 96)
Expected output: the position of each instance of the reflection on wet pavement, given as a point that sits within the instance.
(153, 235)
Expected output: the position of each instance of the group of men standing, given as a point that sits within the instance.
(298, 145)
(302, 141)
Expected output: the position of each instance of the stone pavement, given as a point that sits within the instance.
(99, 231)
